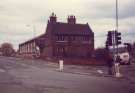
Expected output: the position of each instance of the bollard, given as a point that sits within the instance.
(117, 70)
(61, 65)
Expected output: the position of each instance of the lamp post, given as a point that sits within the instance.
(117, 21)
(116, 36)
(34, 44)
(33, 29)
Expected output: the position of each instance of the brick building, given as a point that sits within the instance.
(61, 40)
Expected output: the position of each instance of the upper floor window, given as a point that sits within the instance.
(86, 38)
(60, 38)
(72, 38)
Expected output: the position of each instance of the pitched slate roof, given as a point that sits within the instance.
(42, 36)
(64, 28)
(77, 29)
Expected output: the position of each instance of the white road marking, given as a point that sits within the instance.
(100, 71)
(2, 70)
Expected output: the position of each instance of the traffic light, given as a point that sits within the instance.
(109, 39)
(129, 46)
(106, 46)
(117, 38)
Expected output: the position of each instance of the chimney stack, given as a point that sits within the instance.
(53, 18)
(71, 19)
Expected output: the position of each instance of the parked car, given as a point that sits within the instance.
(125, 58)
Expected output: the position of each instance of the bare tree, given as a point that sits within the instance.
(7, 49)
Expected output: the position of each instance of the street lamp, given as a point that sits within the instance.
(33, 29)
(117, 21)
(117, 38)
(34, 43)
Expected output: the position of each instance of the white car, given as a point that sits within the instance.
(124, 58)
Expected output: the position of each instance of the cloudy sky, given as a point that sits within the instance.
(21, 20)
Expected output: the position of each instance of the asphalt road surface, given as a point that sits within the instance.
(35, 76)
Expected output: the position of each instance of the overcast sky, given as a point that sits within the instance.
(21, 20)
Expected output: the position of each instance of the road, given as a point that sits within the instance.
(36, 76)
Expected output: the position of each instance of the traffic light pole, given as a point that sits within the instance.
(113, 41)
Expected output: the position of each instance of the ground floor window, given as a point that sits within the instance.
(60, 51)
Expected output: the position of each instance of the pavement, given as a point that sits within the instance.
(19, 75)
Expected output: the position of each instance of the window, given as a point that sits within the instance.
(60, 38)
(60, 51)
(86, 38)
(72, 38)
